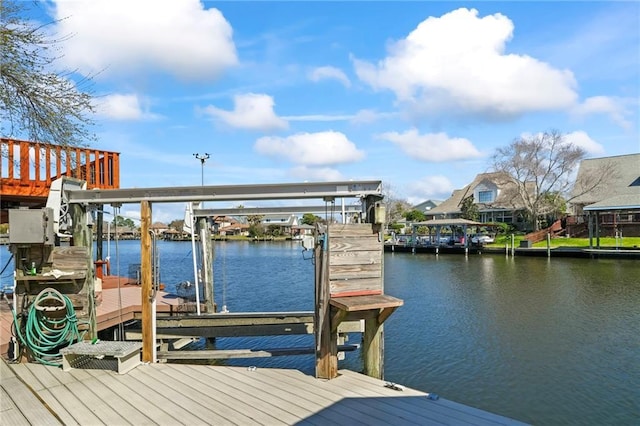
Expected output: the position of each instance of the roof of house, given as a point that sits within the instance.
(286, 220)
(448, 222)
(235, 226)
(620, 186)
(507, 197)
(427, 205)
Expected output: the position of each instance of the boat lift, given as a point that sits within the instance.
(331, 309)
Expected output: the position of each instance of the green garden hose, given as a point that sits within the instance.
(51, 325)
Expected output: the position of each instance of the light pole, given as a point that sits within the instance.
(202, 159)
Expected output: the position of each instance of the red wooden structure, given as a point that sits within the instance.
(28, 168)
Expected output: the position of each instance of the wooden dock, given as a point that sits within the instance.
(35, 394)
(180, 394)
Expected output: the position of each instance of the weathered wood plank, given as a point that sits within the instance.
(440, 409)
(364, 257)
(84, 392)
(27, 403)
(351, 230)
(232, 409)
(244, 353)
(355, 287)
(349, 272)
(197, 406)
(364, 303)
(348, 245)
(126, 411)
(10, 414)
(343, 401)
(69, 258)
(62, 412)
(151, 398)
(302, 394)
(244, 389)
(153, 413)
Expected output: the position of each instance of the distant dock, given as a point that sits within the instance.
(575, 252)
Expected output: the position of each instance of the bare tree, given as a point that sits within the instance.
(395, 206)
(542, 168)
(36, 101)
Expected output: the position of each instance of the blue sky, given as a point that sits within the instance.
(416, 94)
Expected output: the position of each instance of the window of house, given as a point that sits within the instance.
(485, 196)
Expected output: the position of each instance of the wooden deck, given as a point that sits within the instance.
(173, 394)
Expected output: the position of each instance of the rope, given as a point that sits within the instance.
(51, 324)
(116, 214)
(224, 278)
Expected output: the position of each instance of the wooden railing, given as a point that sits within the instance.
(28, 168)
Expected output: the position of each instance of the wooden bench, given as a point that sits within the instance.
(374, 310)
(378, 306)
(120, 357)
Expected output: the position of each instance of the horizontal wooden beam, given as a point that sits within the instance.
(245, 353)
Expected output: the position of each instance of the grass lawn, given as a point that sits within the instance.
(629, 242)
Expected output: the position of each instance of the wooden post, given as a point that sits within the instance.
(326, 338)
(207, 263)
(82, 237)
(146, 279)
(373, 348)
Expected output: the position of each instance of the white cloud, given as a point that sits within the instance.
(178, 37)
(311, 149)
(457, 64)
(325, 174)
(367, 116)
(123, 107)
(584, 141)
(433, 147)
(613, 107)
(318, 117)
(251, 111)
(327, 73)
(363, 116)
(430, 188)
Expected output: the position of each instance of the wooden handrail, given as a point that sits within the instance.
(28, 168)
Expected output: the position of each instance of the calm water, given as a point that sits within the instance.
(544, 341)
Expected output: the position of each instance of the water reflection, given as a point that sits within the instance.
(548, 341)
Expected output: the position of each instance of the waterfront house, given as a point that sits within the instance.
(235, 228)
(426, 206)
(607, 195)
(285, 222)
(496, 196)
(159, 228)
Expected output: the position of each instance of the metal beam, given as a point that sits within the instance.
(285, 191)
(246, 211)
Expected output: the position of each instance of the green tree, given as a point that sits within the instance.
(123, 221)
(256, 229)
(415, 216)
(274, 230)
(469, 209)
(36, 101)
(310, 219)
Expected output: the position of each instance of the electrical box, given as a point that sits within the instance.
(379, 213)
(33, 226)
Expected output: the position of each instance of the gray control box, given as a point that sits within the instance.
(33, 226)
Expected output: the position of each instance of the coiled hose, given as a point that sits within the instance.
(51, 325)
